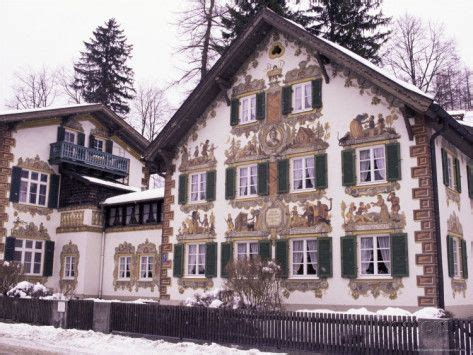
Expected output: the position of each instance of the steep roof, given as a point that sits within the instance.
(106, 116)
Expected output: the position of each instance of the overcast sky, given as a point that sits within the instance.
(34, 33)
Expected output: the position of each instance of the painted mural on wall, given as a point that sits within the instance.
(454, 225)
(202, 156)
(197, 226)
(373, 214)
(29, 230)
(312, 218)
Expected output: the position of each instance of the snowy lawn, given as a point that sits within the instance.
(67, 341)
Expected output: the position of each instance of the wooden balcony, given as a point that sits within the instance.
(90, 159)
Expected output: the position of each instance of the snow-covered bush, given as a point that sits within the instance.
(212, 299)
(26, 289)
(10, 274)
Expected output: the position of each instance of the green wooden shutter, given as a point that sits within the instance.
(15, 184)
(263, 177)
(91, 141)
(324, 257)
(450, 251)
(445, 167)
(283, 176)
(317, 93)
(60, 134)
(281, 257)
(264, 247)
(349, 259)
(458, 178)
(260, 105)
(53, 191)
(393, 161)
(230, 180)
(9, 254)
(469, 175)
(210, 189)
(286, 105)
(234, 112)
(109, 146)
(321, 171)
(226, 255)
(178, 260)
(348, 167)
(81, 138)
(464, 259)
(210, 259)
(182, 189)
(399, 255)
(48, 258)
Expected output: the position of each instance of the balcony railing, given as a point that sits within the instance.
(64, 152)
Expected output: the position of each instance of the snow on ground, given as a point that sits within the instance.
(67, 341)
(427, 312)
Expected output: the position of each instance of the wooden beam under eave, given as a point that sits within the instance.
(408, 113)
(224, 86)
(320, 61)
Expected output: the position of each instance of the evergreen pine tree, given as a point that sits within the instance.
(243, 11)
(354, 24)
(101, 73)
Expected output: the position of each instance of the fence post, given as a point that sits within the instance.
(101, 322)
(59, 314)
(434, 336)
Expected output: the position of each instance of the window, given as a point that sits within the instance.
(198, 187)
(69, 137)
(303, 173)
(302, 97)
(115, 216)
(452, 178)
(69, 267)
(456, 247)
(30, 254)
(375, 255)
(33, 187)
(304, 257)
(247, 250)
(98, 144)
(146, 267)
(132, 214)
(124, 267)
(248, 109)
(247, 180)
(372, 166)
(196, 259)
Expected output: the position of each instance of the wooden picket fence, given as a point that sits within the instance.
(462, 335)
(284, 330)
(80, 314)
(32, 311)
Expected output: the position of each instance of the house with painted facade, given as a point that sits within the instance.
(72, 210)
(295, 149)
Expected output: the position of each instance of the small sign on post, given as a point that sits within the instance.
(61, 306)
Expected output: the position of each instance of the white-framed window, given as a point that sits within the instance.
(30, 254)
(99, 144)
(247, 180)
(34, 187)
(303, 173)
(124, 267)
(247, 109)
(196, 259)
(452, 178)
(70, 137)
(198, 187)
(146, 267)
(375, 256)
(372, 164)
(302, 98)
(69, 267)
(304, 257)
(457, 261)
(247, 250)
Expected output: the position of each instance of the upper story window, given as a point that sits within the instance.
(98, 144)
(303, 173)
(70, 137)
(132, 214)
(30, 254)
(451, 170)
(247, 109)
(140, 213)
(302, 97)
(372, 164)
(33, 187)
(198, 187)
(196, 259)
(304, 257)
(247, 250)
(375, 255)
(248, 181)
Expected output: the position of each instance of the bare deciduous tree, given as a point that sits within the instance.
(64, 79)
(10, 274)
(417, 52)
(33, 89)
(199, 29)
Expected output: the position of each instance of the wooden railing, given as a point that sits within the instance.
(76, 154)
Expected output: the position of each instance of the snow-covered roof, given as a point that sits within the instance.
(467, 117)
(146, 195)
(39, 109)
(115, 185)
